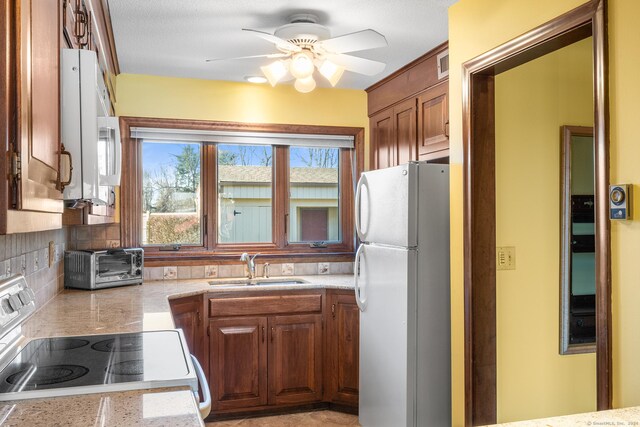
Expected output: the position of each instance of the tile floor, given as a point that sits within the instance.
(304, 419)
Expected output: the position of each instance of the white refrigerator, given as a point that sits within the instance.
(402, 290)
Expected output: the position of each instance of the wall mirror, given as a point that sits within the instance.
(577, 241)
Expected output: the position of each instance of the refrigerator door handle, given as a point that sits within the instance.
(362, 304)
(361, 183)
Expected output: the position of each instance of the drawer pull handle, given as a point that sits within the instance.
(272, 332)
(263, 334)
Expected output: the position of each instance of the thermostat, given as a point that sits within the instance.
(620, 201)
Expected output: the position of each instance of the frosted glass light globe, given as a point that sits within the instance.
(302, 65)
(305, 85)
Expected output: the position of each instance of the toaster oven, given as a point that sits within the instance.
(97, 269)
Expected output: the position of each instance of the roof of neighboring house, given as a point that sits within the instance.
(258, 174)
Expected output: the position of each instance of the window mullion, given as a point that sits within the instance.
(210, 194)
(281, 195)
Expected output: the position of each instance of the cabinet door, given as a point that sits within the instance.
(295, 359)
(433, 121)
(186, 316)
(343, 347)
(405, 132)
(238, 362)
(382, 141)
(70, 23)
(38, 138)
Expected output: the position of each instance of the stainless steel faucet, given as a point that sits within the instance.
(251, 266)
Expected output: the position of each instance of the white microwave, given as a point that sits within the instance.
(89, 134)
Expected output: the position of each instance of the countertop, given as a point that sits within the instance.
(615, 417)
(119, 310)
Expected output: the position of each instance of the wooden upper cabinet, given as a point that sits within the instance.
(404, 131)
(295, 359)
(343, 349)
(238, 362)
(31, 66)
(394, 133)
(409, 114)
(70, 23)
(382, 145)
(433, 121)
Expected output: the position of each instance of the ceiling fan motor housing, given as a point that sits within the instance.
(303, 30)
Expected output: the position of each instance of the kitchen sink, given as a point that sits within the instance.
(274, 281)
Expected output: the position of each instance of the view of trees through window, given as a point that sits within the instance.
(171, 193)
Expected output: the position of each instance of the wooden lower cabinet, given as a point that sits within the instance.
(265, 356)
(343, 349)
(238, 362)
(295, 359)
(186, 316)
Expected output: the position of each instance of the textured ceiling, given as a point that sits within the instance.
(174, 37)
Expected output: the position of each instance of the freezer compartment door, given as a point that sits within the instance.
(386, 206)
(386, 296)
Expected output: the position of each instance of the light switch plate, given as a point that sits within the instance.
(505, 258)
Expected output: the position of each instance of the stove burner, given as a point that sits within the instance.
(61, 344)
(33, 378)
(123, 343)
(128, 367)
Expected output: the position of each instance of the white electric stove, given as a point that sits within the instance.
(64, 366)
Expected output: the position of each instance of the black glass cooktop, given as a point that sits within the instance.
(52, 363)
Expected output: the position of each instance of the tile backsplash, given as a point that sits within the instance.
(94, 236)
(239, 270)
(108, 236)
(28, 253)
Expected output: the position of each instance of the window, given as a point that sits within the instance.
(215, 190)
(171, 211)
(245, 180)
(314, 202)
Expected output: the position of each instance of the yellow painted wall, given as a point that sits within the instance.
(180, 98)
(477, 26)
(532, 102)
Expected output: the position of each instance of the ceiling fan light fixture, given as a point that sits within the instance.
(305, 85)
(274, 72)
(331, 71)
(302, 65)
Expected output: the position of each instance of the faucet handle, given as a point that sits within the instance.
(254, 257)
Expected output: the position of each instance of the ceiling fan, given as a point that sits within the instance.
(304, 46)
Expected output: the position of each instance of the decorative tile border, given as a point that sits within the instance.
(239, 270)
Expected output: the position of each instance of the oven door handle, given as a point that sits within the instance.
(205, 406)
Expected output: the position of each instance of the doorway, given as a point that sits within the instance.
(479, 136)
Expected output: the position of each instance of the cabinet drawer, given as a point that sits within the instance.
(265, 305)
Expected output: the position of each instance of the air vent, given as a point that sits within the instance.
(443, 64)
(303, 41)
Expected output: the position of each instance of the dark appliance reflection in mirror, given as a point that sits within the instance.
(578, 275)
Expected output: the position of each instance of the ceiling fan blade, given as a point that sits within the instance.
(281, 43)
(357, 65)
(360, 40)
(268, 55)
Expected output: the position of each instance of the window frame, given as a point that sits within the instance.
(131, 206)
